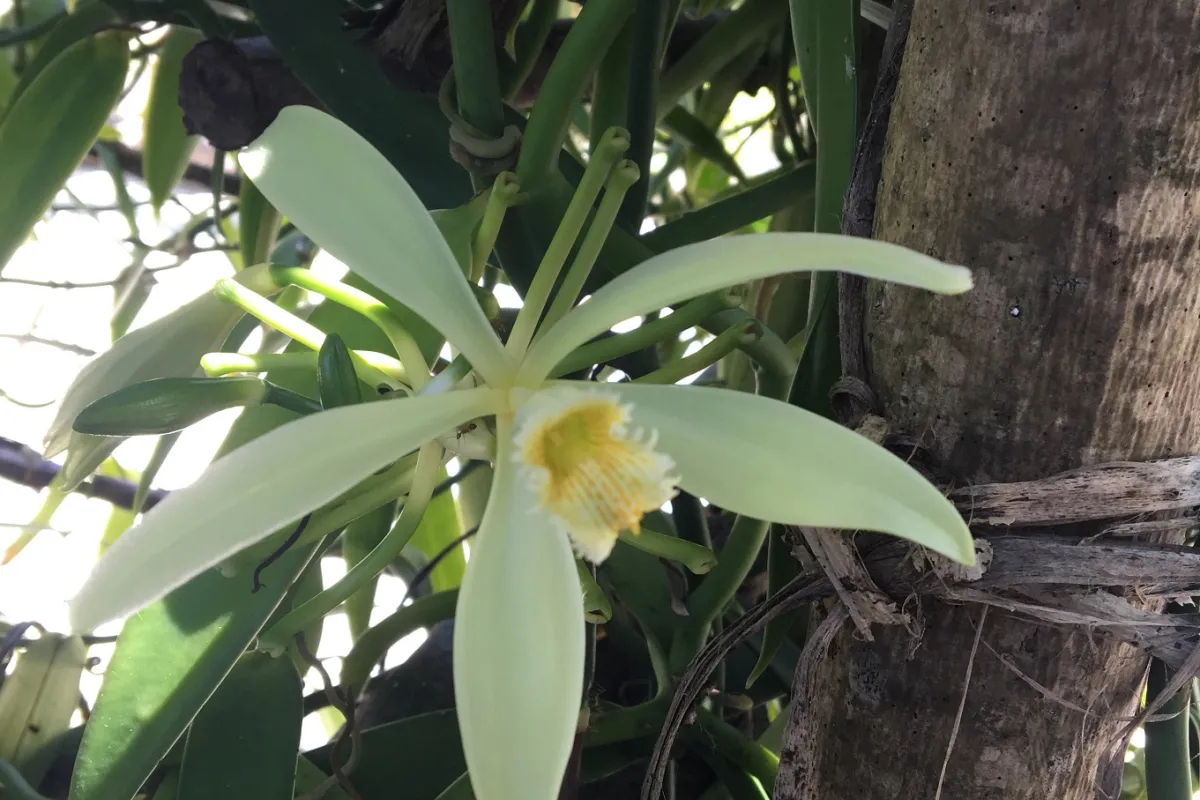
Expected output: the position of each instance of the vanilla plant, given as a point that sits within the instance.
(575, 462)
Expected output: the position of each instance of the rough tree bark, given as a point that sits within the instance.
(1054, 147)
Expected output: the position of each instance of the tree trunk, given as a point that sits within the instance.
(1054, 147)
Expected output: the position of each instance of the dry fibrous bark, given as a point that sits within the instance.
(1052, 147)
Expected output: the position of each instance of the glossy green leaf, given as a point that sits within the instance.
(166, 405)
(438, 529)
(87, 18)
(258, 225)
(50, 127)
(766, 459)
(172, 655)
(243, 743)
(37, 700)
(166, 146)
(705, 267)
(360, 538)
(421, 754)
(340, 191)
(337, 382)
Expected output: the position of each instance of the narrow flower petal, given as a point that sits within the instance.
(704, 267)
(256, 489)
(343, 194)
(591, 473)
(518, 648)
(774, 461)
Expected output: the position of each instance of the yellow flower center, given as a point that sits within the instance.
(590, 473)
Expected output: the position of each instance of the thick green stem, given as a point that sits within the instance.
(1168, 767)
(728, 340)
(502, 195)
(285, 322)
(650, 333)
(650, 23)
(631, 722)
(776, 363)
(753, 20)
(624, 176)
(611, 87)
(712, 733)
(375, 642)
(612, 145)
(476, 77)
(374, 310)
(429, 463)
(529, 41)
(697, 558)
(592, 32)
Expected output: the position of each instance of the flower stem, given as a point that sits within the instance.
(374, 643)
(503, 193)
(697, 558)
(600, 351)
(614, 142)
(302, 331)
(623, 177)
(374, 310)
(592, 32)
(425, 479)
(728, 340)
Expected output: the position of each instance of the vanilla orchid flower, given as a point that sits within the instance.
(575, 462)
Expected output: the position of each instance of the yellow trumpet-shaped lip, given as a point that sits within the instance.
(592, 474)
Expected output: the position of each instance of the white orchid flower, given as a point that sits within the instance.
(575, 462)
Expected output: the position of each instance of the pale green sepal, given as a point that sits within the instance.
(518, 648)
(770, 460)
(257, 489)
(348, 199)
(169, 347)
(704, 267)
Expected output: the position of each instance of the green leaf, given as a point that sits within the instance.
(50, 127)
(37, 700)
(258, 225)
(422, 754)
(687, 128)
(87, 18)
(175, 653)
(166, 405)
(167, 147)
(242, 745)
(439, 527)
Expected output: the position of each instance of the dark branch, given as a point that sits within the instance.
(23, 465)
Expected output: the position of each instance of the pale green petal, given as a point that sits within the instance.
(518, 649)
(257, 489)
(704, 267)
(343, 194)
(774, 461)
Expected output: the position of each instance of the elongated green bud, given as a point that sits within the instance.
(165, 405)
(337, 381)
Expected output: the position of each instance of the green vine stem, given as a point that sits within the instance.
(592, 32)
(697, 558)
(612, 725)
(375, 642)
(302, 331)
(611, 86)
(724, 343)
(476, 77)
(751, 21)
(689, 315)
(614, 142)
(712, 733)
(429, 463)
(528, 43)
(650, 23)
(374, 310)
(622, 178)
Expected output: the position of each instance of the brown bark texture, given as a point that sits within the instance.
(1054, 147)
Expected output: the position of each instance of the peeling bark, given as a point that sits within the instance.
(1053, 147)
